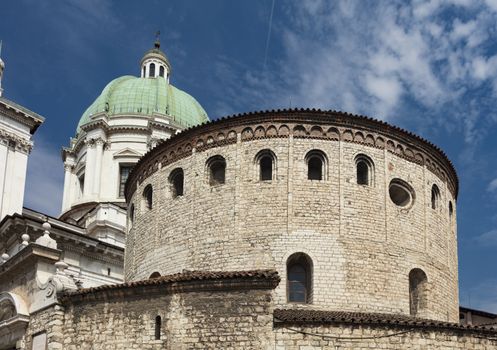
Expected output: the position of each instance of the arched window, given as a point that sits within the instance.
(451, 210)
(364, 170)
(158, 322)
(154, 275)
(316, 165)
(299, 278)
(418, 290)
(266, 161)
(435, 196)
(161, 71)
(176, 179)
(147, 197)
(217, 170)
(151, 72)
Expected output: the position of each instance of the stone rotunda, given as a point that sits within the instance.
(284, 230)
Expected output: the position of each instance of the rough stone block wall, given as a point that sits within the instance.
(362, 245)
(49, 321)
(353, 337)
(196, 320)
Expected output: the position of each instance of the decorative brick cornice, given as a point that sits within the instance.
(189, 281)
(298, 123)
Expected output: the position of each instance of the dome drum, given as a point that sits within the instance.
(360, 241)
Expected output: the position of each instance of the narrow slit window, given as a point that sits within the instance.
(158, 323)
(161, 71)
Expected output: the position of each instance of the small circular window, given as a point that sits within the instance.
(401, 193)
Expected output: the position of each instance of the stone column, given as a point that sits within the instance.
(89, 167)
(98, 166)
(66, 198)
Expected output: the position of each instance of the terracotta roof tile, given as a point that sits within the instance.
(300, 316)
(186, 276)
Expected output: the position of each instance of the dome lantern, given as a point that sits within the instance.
(155, 64)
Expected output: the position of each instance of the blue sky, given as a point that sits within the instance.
(427, 66)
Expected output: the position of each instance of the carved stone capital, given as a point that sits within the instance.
(15, 142)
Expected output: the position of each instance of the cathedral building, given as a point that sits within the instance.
(290, 229)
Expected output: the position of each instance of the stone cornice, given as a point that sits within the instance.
(299, 123)
(190, 281)
(28, 255)
(61, 231)
(20, 114)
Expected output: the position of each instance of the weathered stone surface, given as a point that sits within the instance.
(362, 245)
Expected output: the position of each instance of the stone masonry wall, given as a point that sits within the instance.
(354, 337)
(361, 244)
(195, 320)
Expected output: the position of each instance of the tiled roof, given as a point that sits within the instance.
(186, 276)
(300, 316)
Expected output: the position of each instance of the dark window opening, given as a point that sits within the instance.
(177, 180)
(132, 213)
(435, 196)
(81, 180)
(108, 271)
(124, 171)
(451, 210)
(147, 196)
(315, 168)
(266, 168)
(143, 73)
(158, 322)
(362, 173)
(364, 170)
(161, 71)
(155, 275)
(151, 72)
(299, 278)
(217, 171)
(400, 193)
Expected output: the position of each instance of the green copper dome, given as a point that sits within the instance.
(145, 96)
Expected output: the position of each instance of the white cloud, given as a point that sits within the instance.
(45, 179)
(488, 238)
(492, 186)
(369, 57)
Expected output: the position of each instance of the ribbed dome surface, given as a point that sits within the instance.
(145, 96)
